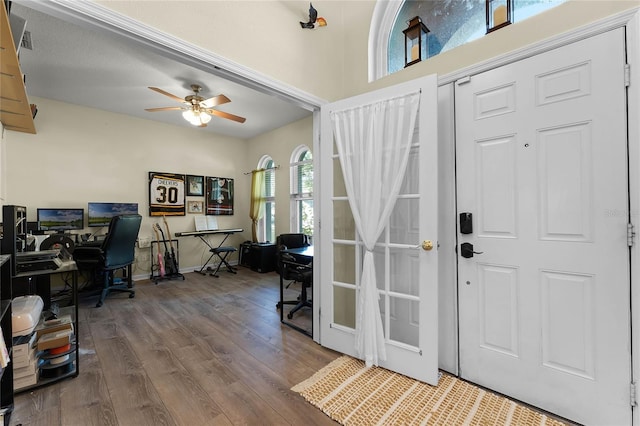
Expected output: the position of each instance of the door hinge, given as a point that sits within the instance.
(631, 234)
(632, 395)
(627, 75)
(463, 80)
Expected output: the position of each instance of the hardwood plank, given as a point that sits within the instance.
(200, 351)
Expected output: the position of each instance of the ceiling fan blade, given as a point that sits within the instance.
(174, 97)
(215, 101)
(163, 109)
(226, 115)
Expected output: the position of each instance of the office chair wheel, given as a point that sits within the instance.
(98, 304)
(132, 295)
(290, 315)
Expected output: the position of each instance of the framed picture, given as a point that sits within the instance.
(166, 194)
(219, 200)
(195, 206)
(195, 185)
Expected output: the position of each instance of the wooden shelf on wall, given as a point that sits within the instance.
(15, 111)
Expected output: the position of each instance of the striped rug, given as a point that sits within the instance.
(352, 394)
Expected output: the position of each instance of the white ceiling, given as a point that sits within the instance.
(107, 71)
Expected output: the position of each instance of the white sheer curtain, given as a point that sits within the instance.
(373, 146)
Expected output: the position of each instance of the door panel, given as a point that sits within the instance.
(544, 302)
(406, 275)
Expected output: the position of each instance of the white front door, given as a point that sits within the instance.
(406, 274)
(542, 169)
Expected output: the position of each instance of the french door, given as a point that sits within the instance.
(406, 254)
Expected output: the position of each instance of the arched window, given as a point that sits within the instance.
(451, 23)
(302, 191)
(267, 224)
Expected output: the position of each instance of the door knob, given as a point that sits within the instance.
(466, 250)
(427, 245)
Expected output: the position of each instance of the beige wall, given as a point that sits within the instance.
(331, 62)
(82, 154)
(279, 144)
(261, 35)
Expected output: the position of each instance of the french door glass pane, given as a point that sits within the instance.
(344, 263)
(404, 270)
(410, 183)
(404, 222)
(344, 227)
(344, 302)
(403, 320)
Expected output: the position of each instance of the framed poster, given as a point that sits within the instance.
(166, 194)
(219, 196)
(195, 185)
(195, 206)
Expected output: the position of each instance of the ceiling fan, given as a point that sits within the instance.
(196, 109)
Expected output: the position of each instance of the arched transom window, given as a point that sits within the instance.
(451, 23)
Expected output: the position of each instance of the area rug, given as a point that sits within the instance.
(352, 394)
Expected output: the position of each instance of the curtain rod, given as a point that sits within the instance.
(268, 168)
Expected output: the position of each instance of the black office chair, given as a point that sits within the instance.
(294, 269)
(298, 272)
(289, 241)
(117, 251)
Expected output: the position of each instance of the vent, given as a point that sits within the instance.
(26, 40)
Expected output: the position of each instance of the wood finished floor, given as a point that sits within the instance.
(204, 351)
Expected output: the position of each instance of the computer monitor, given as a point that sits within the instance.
(60, 219)
(100, 214)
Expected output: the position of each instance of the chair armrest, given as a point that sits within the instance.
(87, 255)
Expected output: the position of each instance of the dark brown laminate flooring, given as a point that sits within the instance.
(203, 351)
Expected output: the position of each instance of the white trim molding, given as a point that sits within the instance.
(384, 16)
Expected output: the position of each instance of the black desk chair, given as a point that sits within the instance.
(117, 251)
(290, 241)
(294, 269)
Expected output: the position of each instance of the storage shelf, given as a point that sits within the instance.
(4, 306)
(15, 111)
(44, 382)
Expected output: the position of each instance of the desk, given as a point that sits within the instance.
(303, 264)
(42, 279)
(221, 251)
(303, 253)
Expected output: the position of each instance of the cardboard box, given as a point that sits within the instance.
(54, 340)
(23, 382)
(22, 346)
(62, 323)
(25, 360)
(30, 369)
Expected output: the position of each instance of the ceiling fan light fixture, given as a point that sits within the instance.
(189, 115)
(197, 118)
(197, 110)
(204, 117)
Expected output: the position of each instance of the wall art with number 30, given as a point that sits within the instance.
(166, 194)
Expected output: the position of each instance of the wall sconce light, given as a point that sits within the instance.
(416, 47)
(499, 14)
